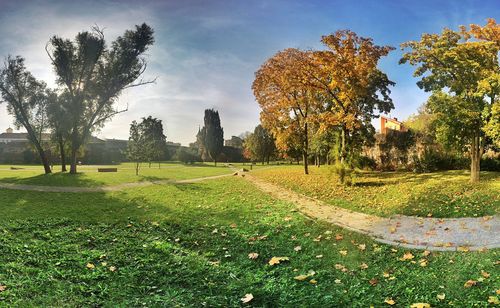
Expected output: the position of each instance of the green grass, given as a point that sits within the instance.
(439, 194)
(188, 245)
(89, 177)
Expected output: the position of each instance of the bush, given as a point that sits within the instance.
(365, 163)
(490, 164)
(186, 156)
(344, 172)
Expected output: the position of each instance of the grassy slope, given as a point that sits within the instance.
(441, 194)
(189, 244)
(88, 176)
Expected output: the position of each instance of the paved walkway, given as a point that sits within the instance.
(449, 234)
(72, 189)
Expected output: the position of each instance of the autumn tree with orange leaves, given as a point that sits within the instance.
(340, 88)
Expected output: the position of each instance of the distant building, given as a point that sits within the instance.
(10, 136)
(235, 142)
(393, 124)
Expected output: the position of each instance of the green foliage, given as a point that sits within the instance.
(155, 139)
(92, 76)
(136, 146)
(187, 155)
(345, 173)
(432, 160)
(260, 144)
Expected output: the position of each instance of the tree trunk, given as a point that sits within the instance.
(41, 152)
(475, 158)
(136, 168)
(63, 155)
(342, 145)
(304, 152)
(72, 168)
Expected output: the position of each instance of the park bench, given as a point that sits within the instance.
(107, 169)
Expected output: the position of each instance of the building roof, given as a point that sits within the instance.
(45, 136)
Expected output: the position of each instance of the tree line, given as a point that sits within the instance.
(324, 100)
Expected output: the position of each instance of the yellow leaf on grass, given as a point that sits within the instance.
(441, 296)
(407, 256)
(493, 300)
(389, 301)
(339, 237)
(90, 266)
(297, 248)
(361, 247)
(426, 253)
(247, 298)
(301, 277)
(277, 260)
(343, 252)
(312, 281)
(253, 255)
(420, 305)
(423, 263)
(112, 269)
(2, 288)
(485, 274)
(363, 266)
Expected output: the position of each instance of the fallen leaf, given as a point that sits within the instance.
(312, 281)
(423, 263)
(247, 298)
(297, 248)
(277, 260)
(337, 281)
(407, 256)
(373, 282)
(361, 247)
(498, 292)
(392, 230)
(90, 266)
(420, 305)
(112, 269)
(253, 255)
(485, 274)
(470, 283)
(441, 296)
(426, 253)
(389, 301)
(2, 288)
(339, 237)
(319, 256)
(386, 274)
(301, 277)
(493, 300)
(463, 249)
(363, 266)
(343, 252)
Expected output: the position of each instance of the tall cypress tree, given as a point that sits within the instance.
(212, 134)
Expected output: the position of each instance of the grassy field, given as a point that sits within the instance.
(89, 177)
(439, 194)
(189, 245)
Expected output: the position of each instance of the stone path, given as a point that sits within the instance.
(449, 234)
(72, 189)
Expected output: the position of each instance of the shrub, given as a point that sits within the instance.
(344, 173)
(490, 164)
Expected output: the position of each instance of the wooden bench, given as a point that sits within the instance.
(107, 169)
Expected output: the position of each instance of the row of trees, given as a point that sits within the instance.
(90, 77)
(324, 93)
(324, 100)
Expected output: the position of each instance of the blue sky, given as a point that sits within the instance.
(206, 52)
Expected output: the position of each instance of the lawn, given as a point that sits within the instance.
(89, 177)
(439, 194)
(189, 245)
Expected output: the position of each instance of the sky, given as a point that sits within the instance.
(206, 52)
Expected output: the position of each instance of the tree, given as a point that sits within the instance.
(155, 139)
(93, 77)
(351, 85)
(136, 144)
(461, 68)
(59, 124)
(288, 104)
(260, 144)
(212, 134)
(26, 100)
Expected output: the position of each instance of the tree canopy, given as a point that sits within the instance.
(212, 134)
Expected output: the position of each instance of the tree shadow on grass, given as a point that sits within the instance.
(55, 179)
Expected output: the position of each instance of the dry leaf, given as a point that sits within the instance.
(248, 297)
(441, 296)
(423, 263)
(90, 266)
(407, 256)
(389, 301)
(493, 300)
(337, 281)
(426, 253)
(361, 247)
(319, 256)
(298, 248)
(313, 281)
(112, 269)
(343, 252)
(373, 281)
(277, 260)
(253, 255)
(339, 237)
(485, 274)
(301, 277)
(2, 288)
(363, 266)
(470, 283)
(420, 305)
